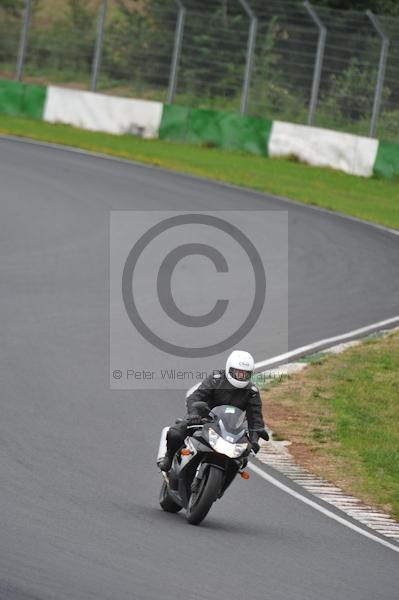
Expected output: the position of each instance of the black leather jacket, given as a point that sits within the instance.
(217, 390)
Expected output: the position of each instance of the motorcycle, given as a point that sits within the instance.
(202, 470)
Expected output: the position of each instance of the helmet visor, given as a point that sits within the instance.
(240, 374)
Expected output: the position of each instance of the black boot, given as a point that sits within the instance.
(174, 439)
(165, 463)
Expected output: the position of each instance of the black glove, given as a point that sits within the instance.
(194, 420)
(254, 437)
(262, 433)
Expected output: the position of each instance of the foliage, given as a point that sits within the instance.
(213, 69)
(382, 7)
(272, 94)
(136, 40)
(388, 124)
(12, 7)
(65, 45)
(351, 93)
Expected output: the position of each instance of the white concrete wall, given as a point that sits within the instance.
(323, 147)
(99, 112)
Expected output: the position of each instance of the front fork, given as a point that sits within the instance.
(198, 477)
(201, 469)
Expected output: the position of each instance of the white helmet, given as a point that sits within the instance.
(239, 368)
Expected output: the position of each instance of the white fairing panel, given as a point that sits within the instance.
(162, 444)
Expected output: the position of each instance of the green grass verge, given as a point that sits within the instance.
(342, 416)
(371, 199)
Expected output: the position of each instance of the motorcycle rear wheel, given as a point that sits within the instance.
(199, 504)
(166, 502)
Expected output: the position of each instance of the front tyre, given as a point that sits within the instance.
(201, 502)
(166, 502)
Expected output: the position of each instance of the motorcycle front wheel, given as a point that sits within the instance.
(200, 502)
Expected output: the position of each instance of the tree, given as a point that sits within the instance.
(381, 7)
(12, 7)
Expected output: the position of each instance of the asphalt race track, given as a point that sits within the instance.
(78, 486)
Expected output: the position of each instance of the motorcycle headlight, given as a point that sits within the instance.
(213, 437)
(223, 447)
(240, 449)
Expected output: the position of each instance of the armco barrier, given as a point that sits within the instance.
(352, 154)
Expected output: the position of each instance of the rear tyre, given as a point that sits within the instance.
(166, 502)
(201, 502)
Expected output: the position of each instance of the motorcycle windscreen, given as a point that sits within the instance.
(233, 418)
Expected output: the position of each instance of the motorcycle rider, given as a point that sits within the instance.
(230, 386)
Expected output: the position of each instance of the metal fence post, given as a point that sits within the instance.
(381, 72)
(321, 44)
(253, 26)
(23, 42)
(176, 51)
(99, 45)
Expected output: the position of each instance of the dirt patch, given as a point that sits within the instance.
(289, 413)
(306, 409)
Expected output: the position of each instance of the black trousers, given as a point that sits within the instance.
(175, 437)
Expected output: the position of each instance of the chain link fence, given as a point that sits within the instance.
(288, 60)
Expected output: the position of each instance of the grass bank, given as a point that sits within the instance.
(342, 416)
(370, 199)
